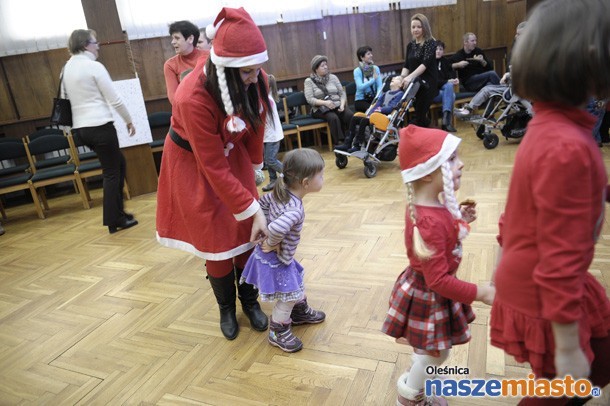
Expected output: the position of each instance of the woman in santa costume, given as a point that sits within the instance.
(207, 198)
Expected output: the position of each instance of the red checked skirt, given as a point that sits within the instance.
(427, 320)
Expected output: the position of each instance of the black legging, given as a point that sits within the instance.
(104, 141)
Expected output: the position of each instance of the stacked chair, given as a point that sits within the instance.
(303, 120)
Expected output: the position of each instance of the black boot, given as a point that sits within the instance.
(224, 290)
(447, 122)
(347, 143)
(248, 296)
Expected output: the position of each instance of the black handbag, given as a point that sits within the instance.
(62, 108)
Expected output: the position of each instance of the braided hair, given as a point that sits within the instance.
(451, 204)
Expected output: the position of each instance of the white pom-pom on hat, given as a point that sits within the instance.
(210, 31)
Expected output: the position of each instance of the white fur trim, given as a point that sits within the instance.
(249, 212)
(216, 256)
(257, 167)
(450, 144)
(235, 124)
(238, 61)
(404, 390)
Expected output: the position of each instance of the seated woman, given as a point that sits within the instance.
(325, 95)
(385, 104)
(447, 79)
(368, 79)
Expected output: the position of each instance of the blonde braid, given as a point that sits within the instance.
(419, 245)
(224, 90)
(448, 193)
(451, 202)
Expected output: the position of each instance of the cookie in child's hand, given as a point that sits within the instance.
(468, 202)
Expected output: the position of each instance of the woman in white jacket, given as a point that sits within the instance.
(92, 95)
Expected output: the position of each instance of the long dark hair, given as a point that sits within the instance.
(244, 101)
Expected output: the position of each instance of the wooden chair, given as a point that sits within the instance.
(59, 157)
(90, 166)
(160, 120)
(350, 91)
(304, 121)
(289, 129)
(16, 177)
(52, 174)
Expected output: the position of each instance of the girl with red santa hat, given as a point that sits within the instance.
(207, 201)
(429, 306)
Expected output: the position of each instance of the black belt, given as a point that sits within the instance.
(181, 142)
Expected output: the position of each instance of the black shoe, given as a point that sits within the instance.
(449, 128)
(447, 122)
(122, 225)
(128, 216)
(354, 149)
(341, 147)
(270, 186)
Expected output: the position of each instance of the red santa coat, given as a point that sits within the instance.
(206, 198)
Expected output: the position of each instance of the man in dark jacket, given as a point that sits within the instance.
(474, 69)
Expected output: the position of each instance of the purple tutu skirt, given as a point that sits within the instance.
(274, 279)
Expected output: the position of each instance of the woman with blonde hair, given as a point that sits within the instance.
(420, 58)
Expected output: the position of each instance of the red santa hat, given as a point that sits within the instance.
(237, 42)
(423, 150)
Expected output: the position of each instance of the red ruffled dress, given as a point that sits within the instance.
(429, 306)
(554, 215)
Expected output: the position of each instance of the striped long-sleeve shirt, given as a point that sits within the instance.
(284, 221)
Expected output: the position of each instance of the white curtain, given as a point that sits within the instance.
(32, 26)
(410, 4)
(38, 25)
(151, 18)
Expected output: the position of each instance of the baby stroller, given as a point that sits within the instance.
(515, 113)
(381, 136)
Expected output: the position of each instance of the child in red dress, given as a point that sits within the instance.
(549, 310)
(429, 307)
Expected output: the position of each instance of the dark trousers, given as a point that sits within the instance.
(361, 123)
(361, 105)
(423, 100)
(338, 121)
(480, 80)
(104, 141)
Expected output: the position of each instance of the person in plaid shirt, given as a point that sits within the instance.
(429, 306)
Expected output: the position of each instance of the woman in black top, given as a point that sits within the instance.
(419, 63)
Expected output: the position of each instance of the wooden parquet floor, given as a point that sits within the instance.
(91, 318)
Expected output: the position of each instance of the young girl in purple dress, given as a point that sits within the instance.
(272, 267)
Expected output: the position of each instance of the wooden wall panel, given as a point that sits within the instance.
(7, 110)
(33, 83)
(33, 78)
(149, 56)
